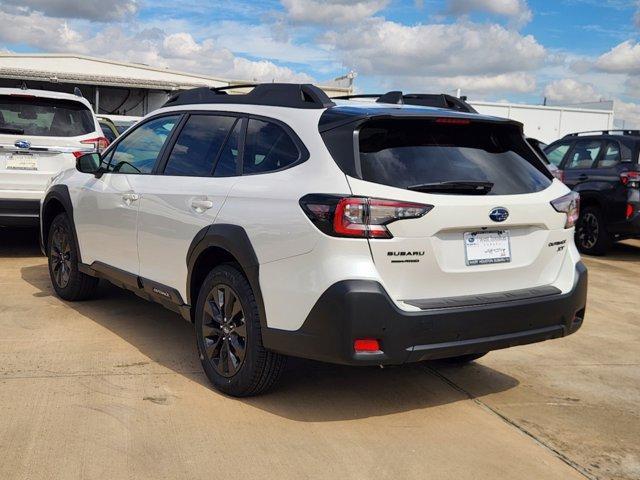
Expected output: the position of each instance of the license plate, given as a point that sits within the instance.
(21, 162)
(485, 247)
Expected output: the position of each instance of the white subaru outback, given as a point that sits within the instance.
(41, 133)
(282, 223)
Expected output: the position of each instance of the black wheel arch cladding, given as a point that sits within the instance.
(234, 240)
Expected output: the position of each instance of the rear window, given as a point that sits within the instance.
(409, 153)
(47, 117)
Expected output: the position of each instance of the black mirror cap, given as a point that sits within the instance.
(90, 163)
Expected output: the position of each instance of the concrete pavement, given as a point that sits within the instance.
(112, 388)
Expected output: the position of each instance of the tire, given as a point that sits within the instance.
(462, 359)
(592, 237)
(229, 338)
(68, 282)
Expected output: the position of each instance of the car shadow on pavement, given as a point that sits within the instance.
(19, 242)
(308, 391)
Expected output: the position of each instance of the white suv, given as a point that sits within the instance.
(282, 223)
(41, 133)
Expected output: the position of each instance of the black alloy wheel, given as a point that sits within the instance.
(224, 330)
(61, 255)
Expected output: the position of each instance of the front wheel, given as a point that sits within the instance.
(592, 237)
(68, 282)
(229, 336)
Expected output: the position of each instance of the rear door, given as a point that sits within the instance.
(471, 242)
(578, 166)
(186, 195)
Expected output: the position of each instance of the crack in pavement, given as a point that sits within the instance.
(577, 467)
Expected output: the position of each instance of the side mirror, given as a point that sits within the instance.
(90, 163)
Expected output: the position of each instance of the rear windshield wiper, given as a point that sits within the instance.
(17, 131)
(462, 187)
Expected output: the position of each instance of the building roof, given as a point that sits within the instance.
(82, 69)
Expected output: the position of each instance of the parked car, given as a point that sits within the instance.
(539, 147)
(282, 223)
(121, 122)
(41, 133)
(109, 128)
(603, 168)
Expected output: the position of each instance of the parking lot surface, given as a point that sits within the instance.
(112, 388)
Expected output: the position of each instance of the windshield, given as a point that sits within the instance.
(48, 117)
(425, 155)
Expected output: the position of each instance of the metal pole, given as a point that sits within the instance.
(97, 101)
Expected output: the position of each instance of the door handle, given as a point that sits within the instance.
(129, 198)
(201, 205)
(583, 177)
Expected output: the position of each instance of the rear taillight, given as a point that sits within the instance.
(628, 211)
(570, 205)
(630, 179)
(99, 144)
(358, 217)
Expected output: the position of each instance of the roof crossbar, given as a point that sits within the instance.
(438, 100)
(292, 95)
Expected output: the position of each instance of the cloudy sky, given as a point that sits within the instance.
(516, 50)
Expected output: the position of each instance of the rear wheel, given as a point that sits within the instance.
(592, 237)
(68, 282)
(229, 336)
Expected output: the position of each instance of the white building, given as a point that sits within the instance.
(550, 123)
(112, 87)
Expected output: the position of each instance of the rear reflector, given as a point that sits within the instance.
(629, 212)
(366, 345)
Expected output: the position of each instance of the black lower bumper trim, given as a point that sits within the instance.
(362, 309)
(19, 213)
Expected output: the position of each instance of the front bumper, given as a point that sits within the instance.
(354, 309)
(19, 212)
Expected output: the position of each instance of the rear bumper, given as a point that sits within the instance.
(362, 309)
(629, 228)
(22, 212)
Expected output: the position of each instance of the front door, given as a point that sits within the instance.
(106, 213)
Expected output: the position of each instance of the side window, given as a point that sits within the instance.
(584, 154)
(138, 151)
(227, 165)
(198, 145)
(268, 147)
(611, 155)
(555, 153)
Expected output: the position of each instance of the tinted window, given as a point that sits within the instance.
(584, 154)
(611, 156)
(138, 151)
(48, 117)
(227, 165)
(268, 147)
(198, 145)
(407, 153)
(555, 153)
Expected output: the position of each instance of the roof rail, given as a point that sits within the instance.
(438, 100)
(292, 95)
(605, 132)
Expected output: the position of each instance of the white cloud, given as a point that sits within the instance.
(387, 48)
(568, 90)
(623, 58)
(39, 31)
(331, 11)
(627, 114)
(516, 10)
(95, 10)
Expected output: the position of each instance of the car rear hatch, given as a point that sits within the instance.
(38, 138)
(492, 228)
